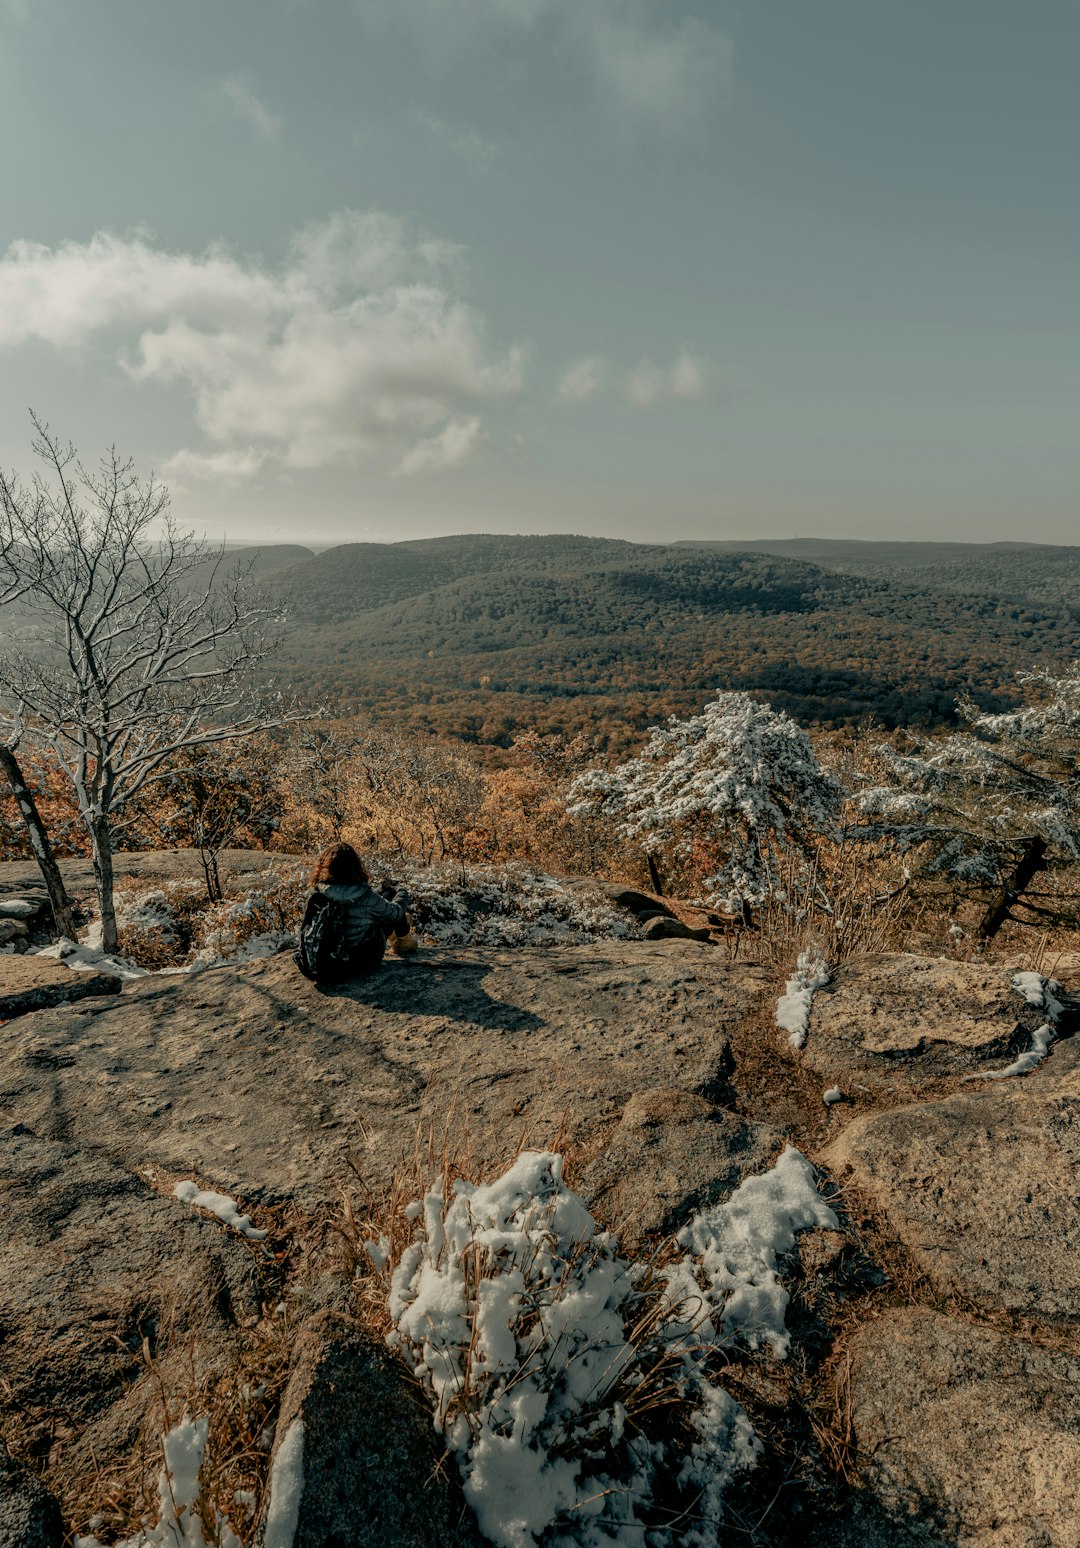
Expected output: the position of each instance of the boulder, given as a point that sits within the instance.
(981, 1187)
(671, 1155)
(261, 1084)
(895, 1024)
(36, 983)
(107, 1291)
(29, 1514)
(373, 1473)
(33, 909)
(663, 928)
(966, 1434)
(12, 930)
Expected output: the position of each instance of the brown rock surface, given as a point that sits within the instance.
(99, 1276)
(258, 1082)
(895, 1023)
(966, 1434)
(671, 1154)
(371, 1457)
(36, 983)
(981, 1187)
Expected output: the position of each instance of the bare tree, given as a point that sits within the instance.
(18, 574)
(143, 643)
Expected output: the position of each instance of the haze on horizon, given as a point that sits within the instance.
(695, 269)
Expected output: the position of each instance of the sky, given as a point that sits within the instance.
(346, 270)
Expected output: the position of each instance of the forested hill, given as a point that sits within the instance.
(483, 636)
(1019, 572)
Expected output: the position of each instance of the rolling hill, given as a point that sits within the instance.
(480, 636)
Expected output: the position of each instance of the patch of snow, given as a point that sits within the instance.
(834, 1094)
(218, 1204)
(1030, 1059)
(515, 1310)
(728, 1284)
(286, 1489)
(793, 1006)
(180, 1523)
(88, 957)
(1041, 992)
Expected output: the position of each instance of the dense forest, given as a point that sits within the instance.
(482, 636)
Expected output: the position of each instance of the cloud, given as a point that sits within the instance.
(684, 378)
(462, 140)
(354, 347)
(646, 69)
(238, 93)
(581, 380)
(227, 467)
(455, 443)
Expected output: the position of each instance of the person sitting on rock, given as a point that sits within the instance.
(346, 923)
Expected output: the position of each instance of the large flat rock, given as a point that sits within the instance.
(982, 1187)
(36, 983)
(894, 1024)
(965, 1435)
(252, 1079)
(107, 1292)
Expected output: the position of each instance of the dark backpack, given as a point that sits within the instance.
(323, 955)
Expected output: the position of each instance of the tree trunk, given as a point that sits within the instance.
(1031, 862)
(101, 848)
(63, 918)
(654, 874)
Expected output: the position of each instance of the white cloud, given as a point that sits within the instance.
(354, 347)
(684, 378)
(581, 380)
(687, 376)
(456, 442)
(669, 74)
(240, 96)
(227, 467)
(644, 67)
(462, 140)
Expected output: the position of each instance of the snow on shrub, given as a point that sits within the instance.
(509, 906)
(156, 926)
(180, 1521)
(572, 1386)
(260, 921)
(741, 776)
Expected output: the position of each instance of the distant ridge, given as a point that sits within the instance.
(481, 635)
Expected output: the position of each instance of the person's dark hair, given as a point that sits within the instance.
(340, 866)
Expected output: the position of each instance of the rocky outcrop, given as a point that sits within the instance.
(658, 1070)
(36, 983)
(893, 1025)
(966, 1434)
(29, 1515)
(373, 1468)
(109, 1293)
(670, 1154)
(261, 1084)
(980, 1187)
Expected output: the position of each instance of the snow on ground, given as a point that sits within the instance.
(832, 1095)
(793, 1006)
(727, 1284)
(88, 957)
(1040, 992)
(286, 1489)
(179, 1524)
(218, 1204)
(514, 1309)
